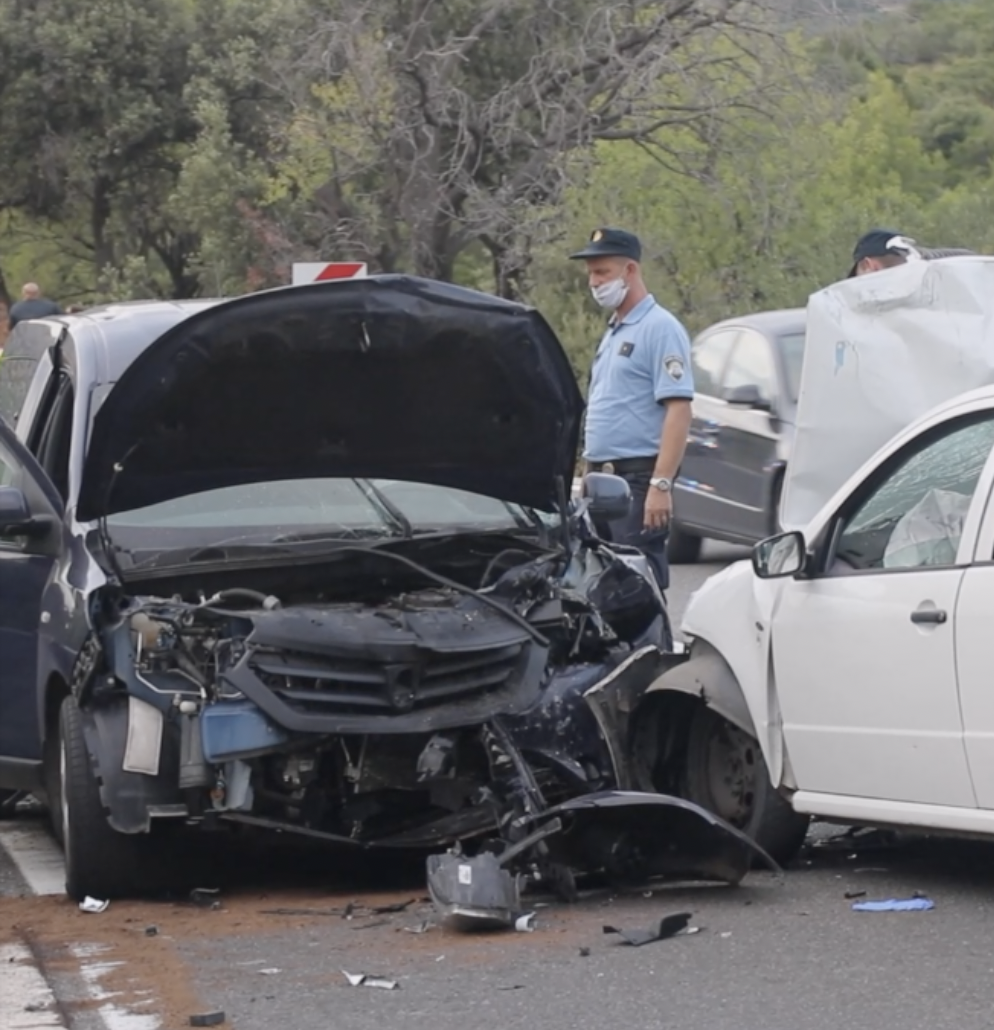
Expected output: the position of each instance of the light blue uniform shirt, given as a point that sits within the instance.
(643, 360)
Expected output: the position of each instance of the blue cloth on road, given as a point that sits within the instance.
(895, 905)
(642, 360)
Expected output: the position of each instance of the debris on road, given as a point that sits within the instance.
(89, 904)
(206, 897)
(272, 971)
(473, 893)
(525, 923)
(400, 906)
(365, 980)
(895, 905)
(151, 931)
(669, 926)
(584, 952)
(850, 895)
(422, 927)
(215, 1018)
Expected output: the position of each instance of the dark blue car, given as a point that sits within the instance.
(305, 561)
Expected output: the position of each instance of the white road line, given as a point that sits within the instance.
(26, 1000)
(37, 857)
(114, 1016)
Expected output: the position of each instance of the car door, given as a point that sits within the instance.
(749, 438)
(26, 565)
(975, 660)
(864, 652)
(697, 500)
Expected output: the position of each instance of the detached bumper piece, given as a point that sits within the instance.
(635, 836)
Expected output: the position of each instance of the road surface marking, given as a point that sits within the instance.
(36, 855)
(26, 1000)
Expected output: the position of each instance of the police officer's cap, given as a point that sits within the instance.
(878, 243)
(611, 243)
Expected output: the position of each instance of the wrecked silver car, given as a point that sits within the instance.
(318, 572)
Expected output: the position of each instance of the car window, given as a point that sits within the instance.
(21, 355)
(10, 475)
(707, 356)
(914, 517)
(751, 364)
(792, 349)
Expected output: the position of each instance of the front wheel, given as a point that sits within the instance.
(726, 773)
(100, 862)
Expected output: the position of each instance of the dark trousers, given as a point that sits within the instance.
(630, 530)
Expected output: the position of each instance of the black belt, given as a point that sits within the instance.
(624, 466)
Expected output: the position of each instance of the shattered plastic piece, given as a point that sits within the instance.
(855, 894)
(400, 906)
(270, 972)
(151, 931)
(206, 897)
(525, 923)
(215, 1018)
(473, 893)
(365, 980)
(724, 936)
(669, 926)
(422, 927)
(89, 904)
(584, 952)
(895, 905)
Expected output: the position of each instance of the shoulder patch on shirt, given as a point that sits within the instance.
(674, 368)
(625, 350)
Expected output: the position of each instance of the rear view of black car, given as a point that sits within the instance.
(305, 561)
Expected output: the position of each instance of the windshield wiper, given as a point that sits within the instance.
(385, 506)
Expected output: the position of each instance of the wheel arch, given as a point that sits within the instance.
(707, 677)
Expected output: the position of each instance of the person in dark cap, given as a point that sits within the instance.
(641, 386)
(884, 248)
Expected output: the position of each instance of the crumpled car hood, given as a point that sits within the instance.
(385, 377)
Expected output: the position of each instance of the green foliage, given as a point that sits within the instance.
(192, 147)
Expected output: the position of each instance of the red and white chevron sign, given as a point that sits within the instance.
(322, 271)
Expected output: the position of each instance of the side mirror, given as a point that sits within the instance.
(747, 396)
(782, 555)
(15, 515)
(609, 496)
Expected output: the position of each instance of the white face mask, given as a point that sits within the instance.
(610, 295)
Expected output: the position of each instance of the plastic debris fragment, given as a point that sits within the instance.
(895, 905)
(365, 980)
(669, 926)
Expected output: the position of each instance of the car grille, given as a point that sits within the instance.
(322, 684)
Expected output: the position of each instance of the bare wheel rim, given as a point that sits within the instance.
(732, 767)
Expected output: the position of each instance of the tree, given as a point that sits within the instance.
(426, 127)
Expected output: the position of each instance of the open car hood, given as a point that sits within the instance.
(385, 377)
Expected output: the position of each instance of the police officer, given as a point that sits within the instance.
(641, 386)
(884, 248)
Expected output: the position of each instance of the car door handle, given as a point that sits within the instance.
(927, 615)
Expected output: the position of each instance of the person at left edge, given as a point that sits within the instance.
(638, 401)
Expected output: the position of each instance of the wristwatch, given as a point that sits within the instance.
(661, 483)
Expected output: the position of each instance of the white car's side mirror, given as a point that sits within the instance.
(782, 555)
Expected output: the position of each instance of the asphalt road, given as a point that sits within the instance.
(772, 954)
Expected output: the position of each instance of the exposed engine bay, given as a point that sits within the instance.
(472, 694)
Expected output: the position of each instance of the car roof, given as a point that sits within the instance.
(109, 337)
(771, 323)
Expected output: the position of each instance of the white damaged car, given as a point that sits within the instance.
(845, 672)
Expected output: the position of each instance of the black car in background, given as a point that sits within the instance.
(747, 373)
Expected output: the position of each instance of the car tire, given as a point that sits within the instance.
(100, 862)
(725, 773)
(682, 548)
